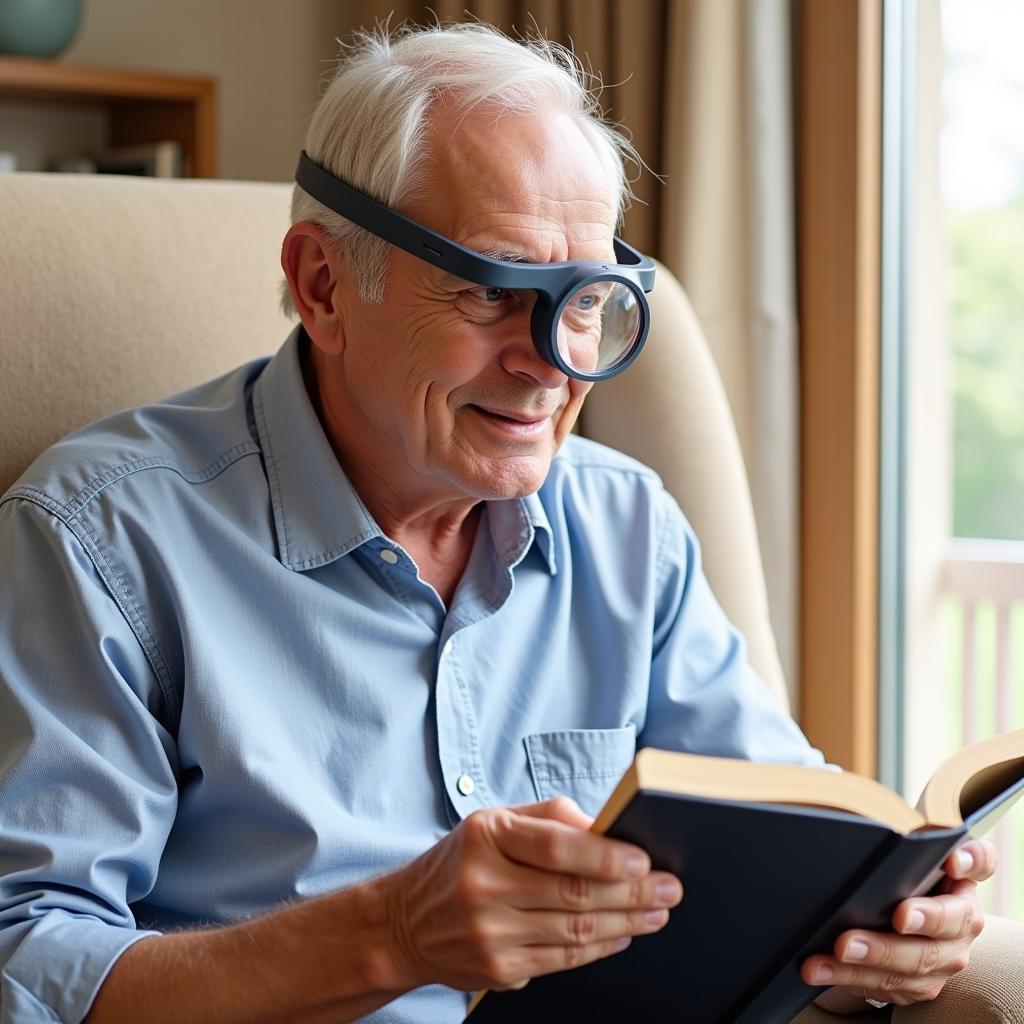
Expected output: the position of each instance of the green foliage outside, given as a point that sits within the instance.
(986, 323)
(986, 331)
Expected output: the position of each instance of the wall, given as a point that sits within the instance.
(267, 55)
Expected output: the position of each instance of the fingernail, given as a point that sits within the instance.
(823, 975)
(915, 921)
(654, 919)
(622, 943)
(636, 865)
(856, 950)
(668, 891)
(964, 860)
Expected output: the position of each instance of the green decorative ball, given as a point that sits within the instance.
(38, 28)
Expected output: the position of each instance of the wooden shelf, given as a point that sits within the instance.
(143, 106)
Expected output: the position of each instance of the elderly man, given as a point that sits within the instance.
(288, 660)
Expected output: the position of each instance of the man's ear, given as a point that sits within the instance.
(315, 271)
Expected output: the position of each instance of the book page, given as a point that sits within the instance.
(731, 779)
(971, 778)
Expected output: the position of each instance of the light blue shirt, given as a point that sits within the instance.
(223, 688)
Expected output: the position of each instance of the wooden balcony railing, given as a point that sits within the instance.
(986, 576)
(987, 571)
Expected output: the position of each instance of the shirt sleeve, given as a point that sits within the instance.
(87, 772)
(704, 696)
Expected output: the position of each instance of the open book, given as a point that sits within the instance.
(777, 861)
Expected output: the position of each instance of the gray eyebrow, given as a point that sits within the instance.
(507, 255)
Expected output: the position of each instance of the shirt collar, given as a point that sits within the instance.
(516, 525)
(318, 517)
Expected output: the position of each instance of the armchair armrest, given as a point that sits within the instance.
(990, 991)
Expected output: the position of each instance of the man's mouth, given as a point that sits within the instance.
(514, 424)
(513, 415)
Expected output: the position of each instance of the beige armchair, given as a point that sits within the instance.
(119, 291)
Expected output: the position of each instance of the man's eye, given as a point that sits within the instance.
(491, 294)
(588, 302)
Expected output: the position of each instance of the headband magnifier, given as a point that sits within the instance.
(590, 319)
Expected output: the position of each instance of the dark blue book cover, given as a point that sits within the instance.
(766, 885)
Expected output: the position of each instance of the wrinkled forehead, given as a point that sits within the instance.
(519, 184)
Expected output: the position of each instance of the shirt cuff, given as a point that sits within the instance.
(59, 967)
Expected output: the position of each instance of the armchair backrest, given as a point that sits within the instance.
(115, 291)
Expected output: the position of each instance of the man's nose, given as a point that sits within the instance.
(519, 356)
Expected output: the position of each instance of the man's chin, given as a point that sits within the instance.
(507, 478)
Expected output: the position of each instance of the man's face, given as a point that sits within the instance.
(443, 378)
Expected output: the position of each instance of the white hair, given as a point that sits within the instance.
(370, 124)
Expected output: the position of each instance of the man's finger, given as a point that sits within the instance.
(530, 889)
(548, 927)
(556, 846)
(878, 983)
(559, 808)
(975, 860)
(548, 959)
(877, 953)
(888, 963)
(955, 916)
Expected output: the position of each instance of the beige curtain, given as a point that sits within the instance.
(703, 88)
(622, 41)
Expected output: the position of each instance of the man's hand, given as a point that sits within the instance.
(934, 935)
(513, 893)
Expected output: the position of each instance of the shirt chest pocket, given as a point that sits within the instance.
(582, 763)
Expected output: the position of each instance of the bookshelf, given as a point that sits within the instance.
(139, 106)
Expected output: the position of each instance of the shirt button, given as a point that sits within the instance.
(466, 785)
(388, 556)
(448, 648)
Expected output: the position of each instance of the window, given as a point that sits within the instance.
(963, 541)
